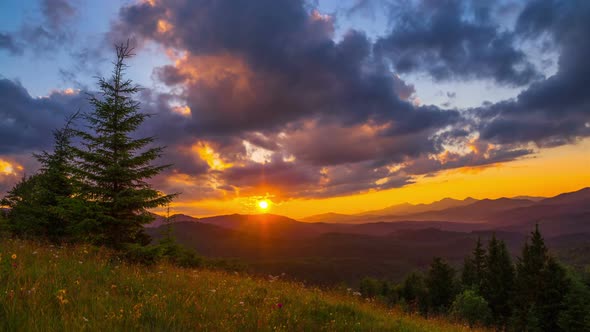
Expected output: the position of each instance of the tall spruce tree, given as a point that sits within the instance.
(58, 184)
(498, 281)
(39, 204)
(474, 267)
(576, 314)
(540, 288)
(114, 165)
(440, 282)
(556, 285)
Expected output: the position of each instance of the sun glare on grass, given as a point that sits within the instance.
(263, 205)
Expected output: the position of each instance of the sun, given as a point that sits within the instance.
(263, 205)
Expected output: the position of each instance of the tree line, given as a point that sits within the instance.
(93, 186)
(534, 293)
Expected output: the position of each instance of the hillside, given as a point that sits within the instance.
(47, 288)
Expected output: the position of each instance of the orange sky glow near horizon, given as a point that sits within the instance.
(549, 172)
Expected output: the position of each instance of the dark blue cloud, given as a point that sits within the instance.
(554, 111)
(452, 40)
(26, 122)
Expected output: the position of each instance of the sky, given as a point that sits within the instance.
(316, 106)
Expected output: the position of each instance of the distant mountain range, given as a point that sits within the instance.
(330, 247)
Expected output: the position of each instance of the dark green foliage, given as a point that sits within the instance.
(576, 313)
(370, 287)
(440, 282)
(474, 268)
(471, 307)
(414, 292)
(25, 216)
(498, 281)
(556, 285)
(140, 254)
(40, 205)
(540, 287)
(177, 254)
(114, 166)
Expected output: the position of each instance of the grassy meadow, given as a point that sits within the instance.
(84, 288)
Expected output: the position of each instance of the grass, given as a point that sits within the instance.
(84, 288)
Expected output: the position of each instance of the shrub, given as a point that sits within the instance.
(471, 308)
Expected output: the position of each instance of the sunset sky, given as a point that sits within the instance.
(316, 106)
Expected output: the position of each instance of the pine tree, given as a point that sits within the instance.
(25, 216)
(115, 166)
(474, 268)
(39, 204)
(58, 185)
(440, 282)
(414, 292)
(498, 281)
(556, 285)
(576, 314)
(540, 287)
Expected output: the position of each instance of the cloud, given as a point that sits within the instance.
(260, 96)
(329, 115)
(454, 40)
(554, 111)
(57, 12)
(7, 42)
(26, 122)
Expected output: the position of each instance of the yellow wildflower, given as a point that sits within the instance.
(13, 256)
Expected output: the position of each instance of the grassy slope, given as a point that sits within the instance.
(85, 288)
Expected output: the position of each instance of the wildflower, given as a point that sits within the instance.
(280, 305)
(61, 297)
(13, 256)
(137, 310)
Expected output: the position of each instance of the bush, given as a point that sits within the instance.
(370, 287)
(471, 308)
(146, 255)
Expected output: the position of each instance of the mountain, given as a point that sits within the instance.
(333, 218)
(175, 218)
(388, 213)
(479, 211)
(267, 225)
(530, 198)
(324, 253)
(567, 213)
(407, 208)
(581, 196)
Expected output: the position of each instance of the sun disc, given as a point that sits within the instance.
(263, 205)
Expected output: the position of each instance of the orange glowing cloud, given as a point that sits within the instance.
(149, 2)
(9, 169)
(164, 26)
(217, 70)
(182, 110)
(210, 156)
(317, 16)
